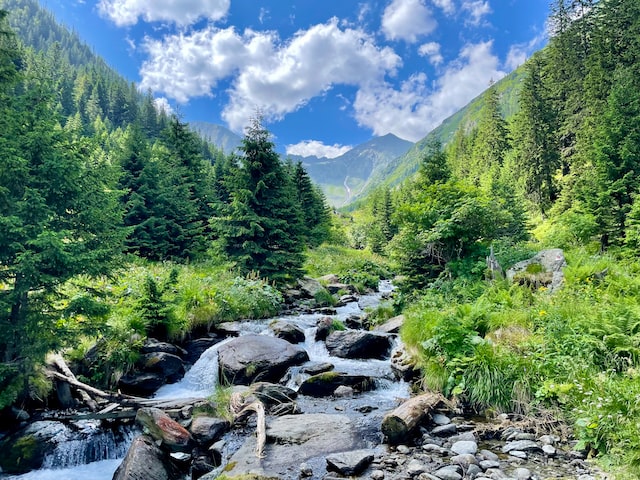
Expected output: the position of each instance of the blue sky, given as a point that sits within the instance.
(327, 74)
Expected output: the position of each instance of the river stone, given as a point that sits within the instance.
(144, 461)
(167, 365)
(272, 394)
(445, 430)
(464, 460)
(195, 348)
(549, 450)
(523, 473)
(451, 472)
(473, 471)
(324, 327)
(164, 429)
(141, 383)
(358, 344)
(403, 365)
(309, 286)
(464, 447)
(287, 331)
(293, 439)
(518, 454)
(487, 464)
(549, 439)
(489, 455)
(350, 463)
(390, 326)
(521, 445)
(247, 358)
(415, 467)
(316, 368)
(325, 384)
(207, 430)
(152, 345)
(440, 419)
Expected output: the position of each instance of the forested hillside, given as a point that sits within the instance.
(95, 179)
(561, 172)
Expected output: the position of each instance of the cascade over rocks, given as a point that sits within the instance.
(257, 357)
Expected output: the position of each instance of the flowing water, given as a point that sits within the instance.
(105, 451)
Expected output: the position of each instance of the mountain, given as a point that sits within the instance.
(405, 165)
(343, 177)
(218, 135)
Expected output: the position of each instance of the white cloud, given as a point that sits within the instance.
(162, 104)
(447, 6)
(519, 52)
(431, 50)
(417, 108)
(307, 148)
(275, 77)
(184, 12)
(407, 20)
(477, 9)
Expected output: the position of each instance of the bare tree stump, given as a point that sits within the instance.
(398, 425)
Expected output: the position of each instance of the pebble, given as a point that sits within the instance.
(473, 471)
(464, 437)
(403, 449)
(518, 454)
(305, 470)
(523, 473)
(445, 430)
(377, 475)
(415, 468)
(487, 464)
(449, 473)
(465, 447)
(549, 450)
(488, 455)
(440, 419)
(464, 460)
(433, 448)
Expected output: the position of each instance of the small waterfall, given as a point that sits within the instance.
(90, 443)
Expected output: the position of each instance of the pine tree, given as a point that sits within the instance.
(536, 154)
(316, 219)
(261, 230)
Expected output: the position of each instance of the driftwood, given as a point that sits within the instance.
(57, 361)
(241, 410)
(398, 425)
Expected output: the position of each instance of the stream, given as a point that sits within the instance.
(69, 460)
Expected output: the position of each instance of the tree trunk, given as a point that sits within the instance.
(399, 424)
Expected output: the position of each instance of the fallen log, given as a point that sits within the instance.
(58, 362)
(398, 425)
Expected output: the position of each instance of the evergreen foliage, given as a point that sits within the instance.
(261, 229)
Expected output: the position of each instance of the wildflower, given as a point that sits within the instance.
(542, 313)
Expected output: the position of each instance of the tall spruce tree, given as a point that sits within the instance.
(261, 228)
(536, 155)
(315, 216)
(59, 217)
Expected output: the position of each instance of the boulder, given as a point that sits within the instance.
(207, 430)
(195, 348)
(152, 345)
(350, 463)
(272, 394)
(337, 286)
(164, 429)
(141, 383)
(325, 384)
(245, 359)
(390, 326)
(520, 445)
(144, 461)
(168, 365)
(403, 365)
(324, 327)
(358, 344)
(549, 272)
(287, 331)
(309, 286)
(292, 440)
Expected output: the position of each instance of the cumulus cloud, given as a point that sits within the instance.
(519, 52)
(162, 104)
(185, 12)
(275, 77)
(407, 20)
(432, 51)
(477, 10)
(307, 148)
(447, 6)
(416, 108)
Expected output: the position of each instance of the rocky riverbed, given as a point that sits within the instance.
(325, 395)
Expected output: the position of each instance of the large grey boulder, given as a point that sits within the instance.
(144, 461)
(392, 325)
(248, 358)
(350, 463)
(207, 430)
(548, 272)
(358, 344)
(292, 440)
